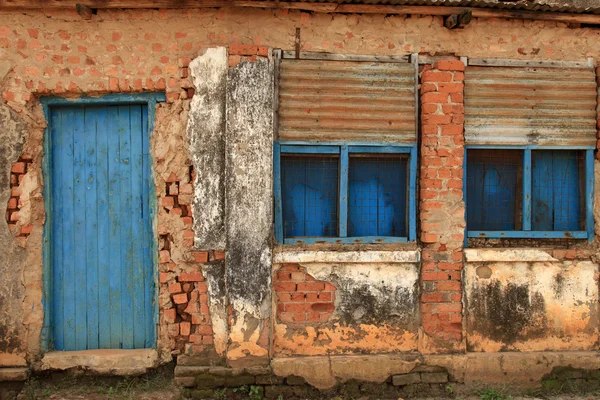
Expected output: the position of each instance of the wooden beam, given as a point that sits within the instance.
(501, 62)
(307, 6)
(309, 55)
(112, 4)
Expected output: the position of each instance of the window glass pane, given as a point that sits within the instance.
(557, 203)
(310, 195)
(494, 190)
(377, 195)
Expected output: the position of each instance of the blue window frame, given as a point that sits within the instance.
(341, 193)
(529, 192)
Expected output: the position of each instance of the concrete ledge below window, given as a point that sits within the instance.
(287, 256)
(508, 255)
(103, 362)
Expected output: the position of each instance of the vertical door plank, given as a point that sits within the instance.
(137, 225)
(148, 237)
(68, 232)
(60, 150)
(91, 225)
(79, 242)
(127, 255)
(104, 261)
(114, 231)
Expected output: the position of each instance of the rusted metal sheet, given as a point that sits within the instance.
(350, 101)
(528, 106)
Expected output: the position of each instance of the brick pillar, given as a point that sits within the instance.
(442, 208)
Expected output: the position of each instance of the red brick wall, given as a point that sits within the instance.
(442, 206)
(301, 298)
(188, 315)
(18, 171)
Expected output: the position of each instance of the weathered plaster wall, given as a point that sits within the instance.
(527, 300)
(351, 303)
(139, 49)
(149, 50)
(206, 133)
(249, 214)
(12, 331)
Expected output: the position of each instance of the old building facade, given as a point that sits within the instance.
(299, 189)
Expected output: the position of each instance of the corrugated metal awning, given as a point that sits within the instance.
(525, 106)
(349, 101)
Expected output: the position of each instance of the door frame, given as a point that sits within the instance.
(148, 99)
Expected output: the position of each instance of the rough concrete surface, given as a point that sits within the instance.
(324, 372)
(104, 362)
(519, 370)
(249, 169)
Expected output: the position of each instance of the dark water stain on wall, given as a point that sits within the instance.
(559, 285)
(385, 304)
(508, 313)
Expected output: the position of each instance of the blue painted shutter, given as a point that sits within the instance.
(102, 268)
(494, 189)
(556, 190)
(310, 195)
(377, 196)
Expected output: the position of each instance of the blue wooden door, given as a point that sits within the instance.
(102, 264)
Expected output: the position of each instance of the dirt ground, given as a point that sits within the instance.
(173, 393)
(159, 385)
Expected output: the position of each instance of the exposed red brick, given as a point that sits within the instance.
(200, 256)
(175, 288)
(185, 328)
(191, 277)
(180, 298)
(170, 315)
(449, 65)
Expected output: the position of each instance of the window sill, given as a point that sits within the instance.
(347, 240)
(508, 255)
(291, 256)
(528, 234)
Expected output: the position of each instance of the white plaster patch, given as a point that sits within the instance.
(206, 135)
